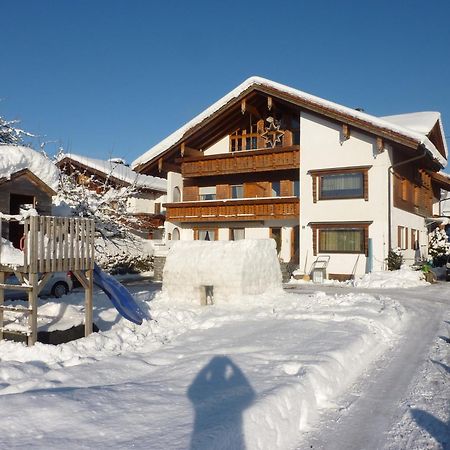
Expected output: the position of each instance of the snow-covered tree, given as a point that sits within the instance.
(438, 246)
(10, 133)
(116, 245)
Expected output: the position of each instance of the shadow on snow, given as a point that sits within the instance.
(219, 395)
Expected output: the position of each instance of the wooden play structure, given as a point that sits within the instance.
(49, 244)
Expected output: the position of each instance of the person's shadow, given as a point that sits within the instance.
(219, 394)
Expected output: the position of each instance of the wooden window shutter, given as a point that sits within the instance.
(223, 191)
(366, 240)
(314, 230)
(366, 185)
(399, 236)
(314, 188)
(406, 238)
(190, 193)
(286, 188)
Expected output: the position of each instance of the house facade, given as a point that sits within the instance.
(145, 204)
(267, 160)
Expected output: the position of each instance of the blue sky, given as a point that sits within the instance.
(115, 77)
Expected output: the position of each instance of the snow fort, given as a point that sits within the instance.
(205, 272)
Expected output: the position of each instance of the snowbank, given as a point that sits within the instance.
(232, 268)
(16, 157)
(9, 255)
(403, 278)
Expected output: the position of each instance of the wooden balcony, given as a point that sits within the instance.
(244, 161)
(250, 209)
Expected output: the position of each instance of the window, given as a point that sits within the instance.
(176, 197)
(297, 188)
(415, 244)
(344, 240)
(402, 237)
(206, 235)
(237, 191)
(176, 234)
(275, 234)
(342, 185)
(207, 193)
(275, 189)
(236, 234)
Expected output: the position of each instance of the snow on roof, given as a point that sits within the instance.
(176, 136)
(120, 171)
(14, 158)
(422, 122)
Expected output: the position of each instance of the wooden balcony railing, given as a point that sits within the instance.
(234, 210)
(244, 161)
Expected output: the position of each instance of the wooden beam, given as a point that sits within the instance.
(243, 106)
(254, 111)
(269, 103)
(88, 295)
(43, 281)
(189, 151)
(81, 278)
(32, 305)
(380, 145)
(345, 132)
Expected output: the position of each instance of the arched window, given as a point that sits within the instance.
(176, 196)
(175, 234)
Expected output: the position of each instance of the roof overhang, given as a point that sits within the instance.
(440, 179)
(374, 125)
(32, 178)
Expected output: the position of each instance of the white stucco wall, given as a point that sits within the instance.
(321, 147)
(410, 221)
(144, 202)
(221, 146)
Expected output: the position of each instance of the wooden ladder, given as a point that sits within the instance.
(32, 287)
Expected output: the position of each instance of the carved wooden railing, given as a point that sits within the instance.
(234, 210)
(245, 161)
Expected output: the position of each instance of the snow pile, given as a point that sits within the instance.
(422, 122)
(9, 255)
(403, 278)
(232, 268)
(14, 158)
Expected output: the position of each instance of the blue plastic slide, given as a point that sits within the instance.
(119, 296)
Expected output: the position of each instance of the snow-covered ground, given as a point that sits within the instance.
(272, 372)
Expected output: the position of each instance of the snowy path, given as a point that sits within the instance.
(378, 402)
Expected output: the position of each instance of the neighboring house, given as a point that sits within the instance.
(145, 204)
(321, 179)
(27, 180)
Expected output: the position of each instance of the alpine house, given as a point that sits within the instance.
(268, 160)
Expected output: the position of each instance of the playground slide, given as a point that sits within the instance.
(119, 296)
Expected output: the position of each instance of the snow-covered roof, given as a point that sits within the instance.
(14, 158)
(380, 123)
(421, 122)
(115, 168)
